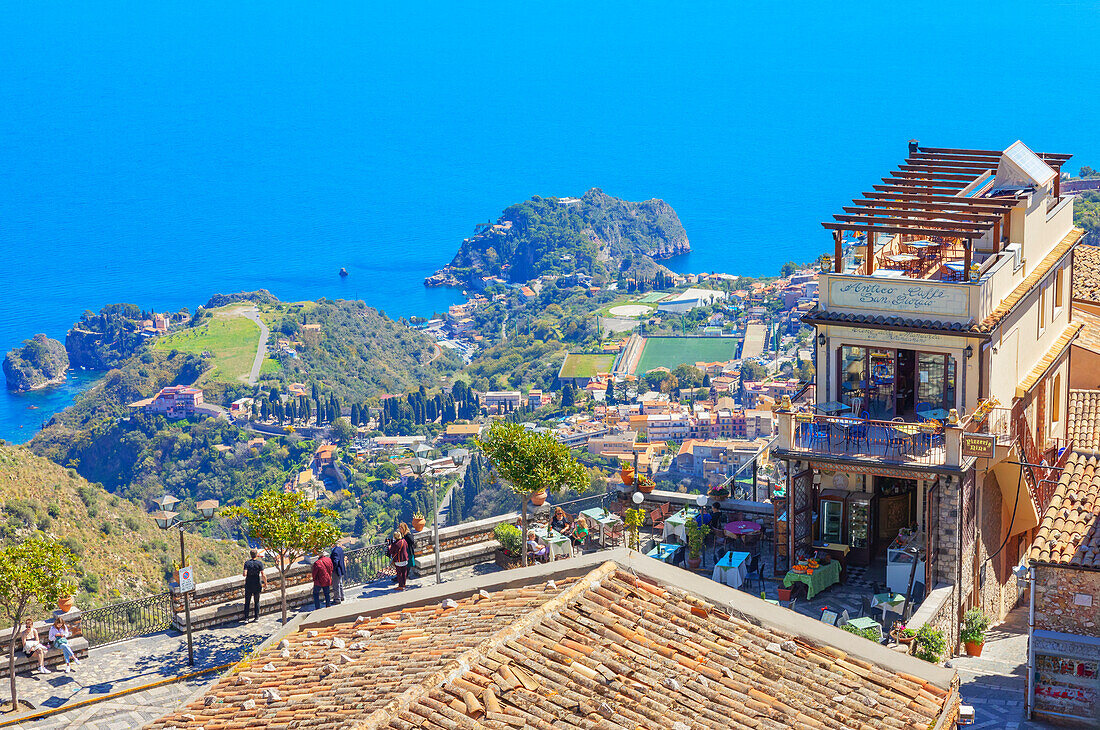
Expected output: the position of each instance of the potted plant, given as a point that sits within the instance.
(975, 624)
(66, 603)
(871, 634)
(718, 492)
(902, 635)
(697, 535)
(929, 644)
(538, 498)
(632, 521)
(627, 475)
(418, 522)
(645, 484)
(511, 546)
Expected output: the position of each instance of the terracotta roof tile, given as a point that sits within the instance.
(1070, 530)
(1090, 331)
(608, 650)
(1086, 273)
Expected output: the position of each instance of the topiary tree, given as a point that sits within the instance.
(531, 462)
(34, 571)
(288, 525)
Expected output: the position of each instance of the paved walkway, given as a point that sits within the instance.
(261, 349)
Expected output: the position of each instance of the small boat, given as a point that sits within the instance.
(32, 408)
(343, 272)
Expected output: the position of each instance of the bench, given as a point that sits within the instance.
(54, 657)
(471, 554)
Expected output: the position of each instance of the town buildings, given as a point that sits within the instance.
(174, 401)
(943, 333)
(502, 401)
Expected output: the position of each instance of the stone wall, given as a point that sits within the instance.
(1056, 607)
(998, 593)
(943, 612)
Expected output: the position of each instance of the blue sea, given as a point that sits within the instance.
(157, 153)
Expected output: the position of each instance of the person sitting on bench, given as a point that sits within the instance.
(33, 646)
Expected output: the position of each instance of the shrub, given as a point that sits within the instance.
(929, 644)
(106, 528)
(975, 624)
(87, 494)
(53, 510)
(510, 538)
(76, 547)
(132, 523)
(869, 634)
(44, 522)
(209, 557)
(90, 583)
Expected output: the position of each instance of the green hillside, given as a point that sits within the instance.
(122, 553)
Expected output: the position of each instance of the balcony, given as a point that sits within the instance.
(895, 442)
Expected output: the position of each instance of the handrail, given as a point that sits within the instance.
(869, 438)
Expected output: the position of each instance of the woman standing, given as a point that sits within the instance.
(60, 633)
(399, 554)
(410, 543)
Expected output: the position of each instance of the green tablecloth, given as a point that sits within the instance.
(819, 580)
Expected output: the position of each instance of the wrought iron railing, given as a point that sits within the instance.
(367, 565)
(126, 620)
(892, 441)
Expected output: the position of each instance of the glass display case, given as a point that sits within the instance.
(831, 506)
(906, 548)
(860, 530)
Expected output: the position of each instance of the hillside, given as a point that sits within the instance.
(596, 234)
(122, 553)
(1086, 214)
(104, 340)
(356, 351)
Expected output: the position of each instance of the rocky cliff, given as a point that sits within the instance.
(36, 363)
(596, 234)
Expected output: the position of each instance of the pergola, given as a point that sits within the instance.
(922, 198)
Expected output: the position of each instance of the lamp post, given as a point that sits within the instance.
(166, 520)
(423, 467)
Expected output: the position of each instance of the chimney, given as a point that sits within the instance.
(914, 147)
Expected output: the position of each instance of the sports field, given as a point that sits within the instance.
(672, 351)
(585, 366)
(653, 297)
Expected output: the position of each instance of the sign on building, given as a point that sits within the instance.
(980, 446)
(922, 298)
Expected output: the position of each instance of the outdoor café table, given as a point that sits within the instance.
(865, 622)
(676, 525)
(560, 545)
(603, 518)
(831, 406)
(731, 569)
(739, 528)
(665, 551)
(821, 578)
(934, 414)
(888, 602)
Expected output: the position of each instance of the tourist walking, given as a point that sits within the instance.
(33, 646)
(410, 544)
(60, 633)
(254, 582)
(322, 580)
(339, 569)
(399, 554)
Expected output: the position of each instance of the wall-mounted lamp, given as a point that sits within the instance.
(969, 351)
(821, 340)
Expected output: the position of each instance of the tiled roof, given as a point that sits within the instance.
(1049, 358)
(1032, 279)
(1070, 531)
(1090, 331)
(1086, 273)
(608, 649)
(1083, 421)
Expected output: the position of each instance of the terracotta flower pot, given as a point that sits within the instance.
(694, 563)
(539, 498)
(903, 640)
(627, 475)
(784, 594)
(973, 648)
(646, 486)
(66, 603)
(418, 523)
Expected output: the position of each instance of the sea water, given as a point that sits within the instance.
(157, 153)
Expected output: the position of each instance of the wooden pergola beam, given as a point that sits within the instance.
(916, 230)
(930, 206)
(988, 153)
(933, 224)
(947, 164)
(883, 192)
(903, 183)
(935, 175)
(908, 211)
(907, 188)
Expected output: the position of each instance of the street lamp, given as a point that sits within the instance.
(166, 519)
(423, 467)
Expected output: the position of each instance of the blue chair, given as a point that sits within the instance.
(924, 407)
(819, 431)
(753, 572)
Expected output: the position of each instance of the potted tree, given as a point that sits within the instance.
(697, 535)
(632, 521)
(627, 475)
(531, 462)
(975, 624)
(929, 644)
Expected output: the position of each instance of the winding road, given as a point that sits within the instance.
(261, 350)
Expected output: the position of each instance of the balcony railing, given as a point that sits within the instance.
(890, 441)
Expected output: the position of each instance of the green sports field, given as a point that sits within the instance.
(653, 297)
(585, 366)
(672, 351)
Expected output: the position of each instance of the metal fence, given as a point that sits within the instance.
(367, 565)
(126, 620)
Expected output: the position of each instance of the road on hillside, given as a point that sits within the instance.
(261, 350)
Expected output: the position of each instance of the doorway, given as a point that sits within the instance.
(896, 507)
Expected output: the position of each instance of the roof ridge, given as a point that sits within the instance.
(464, 661)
